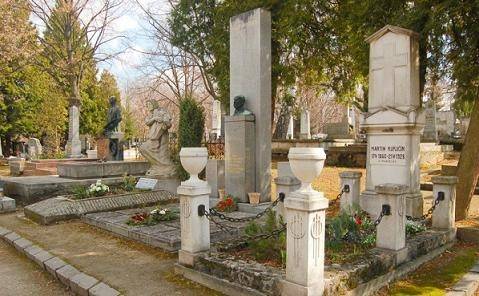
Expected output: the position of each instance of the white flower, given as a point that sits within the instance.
(162, 212)
(98, 182)
(154, 211)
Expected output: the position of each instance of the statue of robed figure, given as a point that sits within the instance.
(155, 148)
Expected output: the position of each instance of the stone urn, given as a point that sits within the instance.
(306, 164)
(193, 160)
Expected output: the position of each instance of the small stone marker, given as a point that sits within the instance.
(216, 119)
(146, 183)
(74, 144)
(305, 125)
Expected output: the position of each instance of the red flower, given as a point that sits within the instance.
(358, 220)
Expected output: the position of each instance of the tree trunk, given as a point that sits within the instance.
(468, 167)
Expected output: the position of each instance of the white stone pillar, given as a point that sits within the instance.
(195, 229)
(305, 125)
(391, 232)
(250, 76)
(73, 148)
(290, 134)
(305, 216)
(351, 184)
(444, 216)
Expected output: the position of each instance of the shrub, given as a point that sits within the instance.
(80, 192)
(413, 228)
(191, 128)
(128, 183)
(273, 248)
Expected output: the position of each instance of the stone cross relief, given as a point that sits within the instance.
(316, 229)
(297, 234)
(387, 63)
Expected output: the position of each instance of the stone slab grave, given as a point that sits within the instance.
(164, 235)
(61, 208)
(394, 121)
(88, 170)
(7, 205)
(362, 277)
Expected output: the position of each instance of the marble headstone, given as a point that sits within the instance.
(394, 121)
(34, 148)
(216, 119)
(74, 144)
(305, 125)
(430, 129)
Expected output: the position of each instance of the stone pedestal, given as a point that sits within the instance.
(7, 204)
(394, 121)
(115, 146)
(350, 197)
(16, 165)
(305, 215)
(195, 229)
(305, 125)
(73, 147)
(250, 76)
(391, 232)
(240, 156)
(215, 175)
(444, 215)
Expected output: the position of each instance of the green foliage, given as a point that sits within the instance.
(191, 128)
(413, 228)
(128, 183)
(154, 217)
(273, 248)
(80, 192)
(351, 228)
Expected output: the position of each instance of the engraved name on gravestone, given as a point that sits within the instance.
(388, 154)
(146, 183)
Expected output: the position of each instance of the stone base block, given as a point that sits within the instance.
(65, 273)
(290, 288)
(7, 205)
(81, 283)
(186, 258)
(170, 185)
(86, 170)
(414, 205)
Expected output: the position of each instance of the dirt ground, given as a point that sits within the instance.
(131, 268)
(21, 277)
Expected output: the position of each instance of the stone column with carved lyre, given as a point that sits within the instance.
(193, 193)
(305, 211)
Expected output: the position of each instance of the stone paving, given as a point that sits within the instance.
(62, 208)
(165, 235)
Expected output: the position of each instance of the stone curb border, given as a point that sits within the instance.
(80, 283)
(468, 284)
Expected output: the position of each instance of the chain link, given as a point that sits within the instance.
(425, 216)
(379, 219)
(338, 197)
(244, 239)
(214, 212)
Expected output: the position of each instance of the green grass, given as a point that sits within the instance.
(434, 277)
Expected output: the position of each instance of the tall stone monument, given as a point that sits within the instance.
(216, 119)
(394, 121)
(250, 76)
(305, 125)
(290, 133)
(73, 147)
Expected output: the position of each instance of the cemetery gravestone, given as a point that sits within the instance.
(394, 122)
(74, 144)
(146, 184)
(34, 148)
(250, 76)
(305, 125)
(290, 134)
(430, 129)
(216, 119)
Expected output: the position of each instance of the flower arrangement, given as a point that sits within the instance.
(228, 204)
(98, 189)
(153, 217)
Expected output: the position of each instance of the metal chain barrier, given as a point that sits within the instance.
(440, 197)
(345, 189)
(214, 212)
(244, 239)
(385, 211)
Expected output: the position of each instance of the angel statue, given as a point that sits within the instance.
(155, 148)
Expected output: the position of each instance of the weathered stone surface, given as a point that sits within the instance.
(215, 175)
(102, 289)
(81, 283)
(41, 257)
(21, 244)
(7, 204)
(11, 237)
(240, 156)
(60, 208)
(89, 170)
(73, 146)
(31, 251)
(65, 273)
(53, 264)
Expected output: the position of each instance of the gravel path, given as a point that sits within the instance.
(21, 277)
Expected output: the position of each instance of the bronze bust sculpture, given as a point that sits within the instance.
(238, 103)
